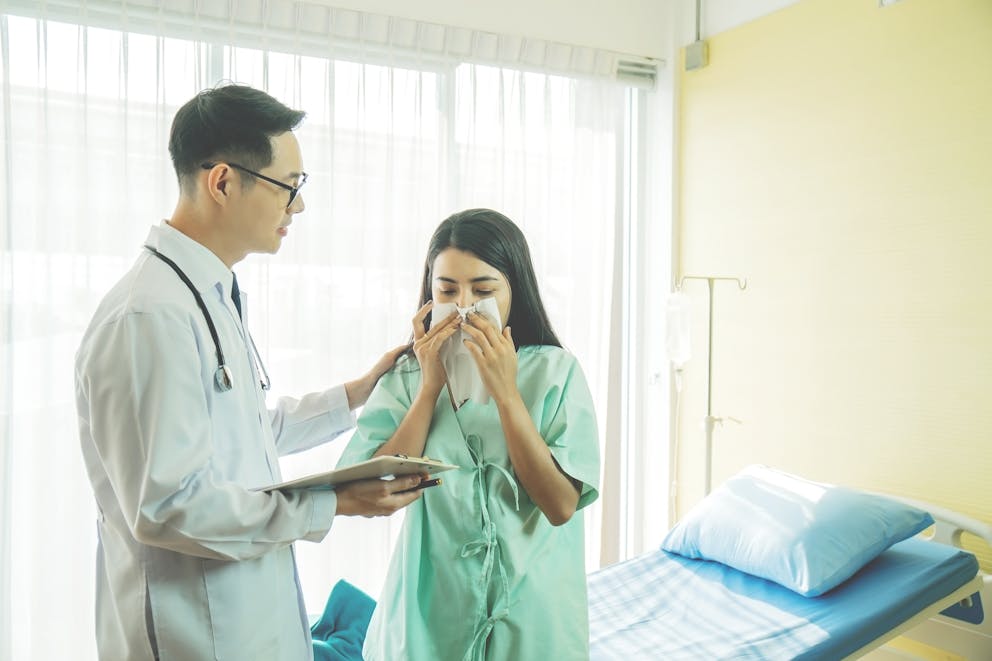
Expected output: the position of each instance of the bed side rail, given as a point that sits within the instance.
(964, 630)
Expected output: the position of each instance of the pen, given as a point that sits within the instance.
(423, 485)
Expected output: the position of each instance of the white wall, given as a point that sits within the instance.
(721, 15)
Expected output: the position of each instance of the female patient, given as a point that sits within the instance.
(489, 564)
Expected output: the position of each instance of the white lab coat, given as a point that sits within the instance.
(192, 564)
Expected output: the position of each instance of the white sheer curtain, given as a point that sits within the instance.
(395, 140)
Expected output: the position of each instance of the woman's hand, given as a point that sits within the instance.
(410, 436)
(495, 355)
(427, 347)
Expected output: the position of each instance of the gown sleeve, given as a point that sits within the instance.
(569, 428)
(383, 412)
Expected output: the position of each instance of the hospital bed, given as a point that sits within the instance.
(664, 606)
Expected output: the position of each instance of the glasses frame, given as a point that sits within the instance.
(293, 190)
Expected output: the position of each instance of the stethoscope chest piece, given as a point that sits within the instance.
(223, 378)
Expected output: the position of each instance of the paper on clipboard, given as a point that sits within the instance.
(384, 466)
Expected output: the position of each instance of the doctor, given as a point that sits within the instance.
(192, 562)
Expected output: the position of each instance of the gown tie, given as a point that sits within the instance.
(489, 544)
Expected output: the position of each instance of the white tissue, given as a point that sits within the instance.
(464, 381)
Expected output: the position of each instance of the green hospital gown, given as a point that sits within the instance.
(478, 572)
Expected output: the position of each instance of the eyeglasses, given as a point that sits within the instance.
(293, 190)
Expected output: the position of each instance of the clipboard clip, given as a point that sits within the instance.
(425, 458)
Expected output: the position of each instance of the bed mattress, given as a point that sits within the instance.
(663, 606)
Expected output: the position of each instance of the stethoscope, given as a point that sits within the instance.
(223, 378)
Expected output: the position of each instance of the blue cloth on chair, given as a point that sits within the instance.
(340, 632)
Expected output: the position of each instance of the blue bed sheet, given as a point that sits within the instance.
(664, 606)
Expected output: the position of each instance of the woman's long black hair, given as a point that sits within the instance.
(496, 240)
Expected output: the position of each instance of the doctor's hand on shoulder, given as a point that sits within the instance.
(377, 497)
(359, 390)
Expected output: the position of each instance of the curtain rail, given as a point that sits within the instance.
(316, 30)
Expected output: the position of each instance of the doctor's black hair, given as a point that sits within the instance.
(496, 240)
(228, 122)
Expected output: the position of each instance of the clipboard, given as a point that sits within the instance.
(385, 466)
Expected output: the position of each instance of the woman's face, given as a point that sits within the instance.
(461, 278)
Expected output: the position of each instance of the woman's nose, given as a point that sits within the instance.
(467, 300)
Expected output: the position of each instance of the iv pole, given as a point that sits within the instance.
(709, 421)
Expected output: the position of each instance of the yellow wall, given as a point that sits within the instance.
(839, 156)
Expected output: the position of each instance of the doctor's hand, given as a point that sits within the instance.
(427, 346)
(495, 355)
(359, 390)
(377, 497)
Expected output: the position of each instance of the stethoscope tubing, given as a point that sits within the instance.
(223, 378)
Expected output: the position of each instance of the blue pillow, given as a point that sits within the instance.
(806, 536)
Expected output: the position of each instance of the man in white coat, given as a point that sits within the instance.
(193, 563)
